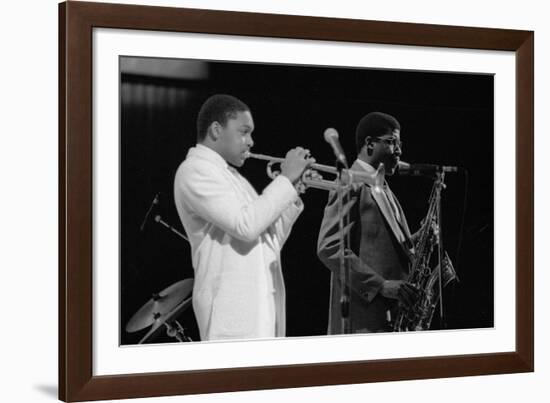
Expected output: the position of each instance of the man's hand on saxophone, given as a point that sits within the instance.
(404, 292)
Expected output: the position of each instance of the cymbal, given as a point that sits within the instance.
(160, 305)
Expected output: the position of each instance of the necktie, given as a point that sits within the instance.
(389, 195)
(403, 227)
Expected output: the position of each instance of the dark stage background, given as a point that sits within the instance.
(446, 119)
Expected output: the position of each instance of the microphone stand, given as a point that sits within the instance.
(440, 185)
(344, 273)
(153, 204)
(158, 219)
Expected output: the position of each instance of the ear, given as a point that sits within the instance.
(369, 145)
(214, 130)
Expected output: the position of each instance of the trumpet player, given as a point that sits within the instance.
(236, 235)
(381, 245)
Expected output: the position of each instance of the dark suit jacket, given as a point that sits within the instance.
(381, 249)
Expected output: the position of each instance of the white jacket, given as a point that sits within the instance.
(236, 237)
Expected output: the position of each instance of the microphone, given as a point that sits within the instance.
(404, 168)
(331, 137)
(155, 201)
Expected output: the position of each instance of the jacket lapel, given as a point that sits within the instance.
(402, 221)
(381, 199)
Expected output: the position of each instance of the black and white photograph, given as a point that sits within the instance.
(262, 200)
(213, 201)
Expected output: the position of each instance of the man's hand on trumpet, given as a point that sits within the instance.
(295, 163)
(309, 176)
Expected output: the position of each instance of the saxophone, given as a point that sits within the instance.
(422, 275)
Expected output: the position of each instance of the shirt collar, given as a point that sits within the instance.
(207, 153)
(366, 166)
(369, 169)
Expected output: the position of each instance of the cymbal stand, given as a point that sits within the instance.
(177, 331)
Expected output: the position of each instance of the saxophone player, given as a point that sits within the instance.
(380, 239)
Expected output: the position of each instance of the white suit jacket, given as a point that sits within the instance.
(236, 237)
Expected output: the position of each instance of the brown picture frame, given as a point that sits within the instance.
(76, 23)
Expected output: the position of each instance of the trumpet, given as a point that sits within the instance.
(311, 178)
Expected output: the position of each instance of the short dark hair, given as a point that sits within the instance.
(218, 108)
(374, 124)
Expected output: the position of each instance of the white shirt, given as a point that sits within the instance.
(370, 169)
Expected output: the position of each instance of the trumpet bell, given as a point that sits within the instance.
(312, 178)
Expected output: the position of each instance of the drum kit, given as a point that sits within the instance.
(164, 307)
